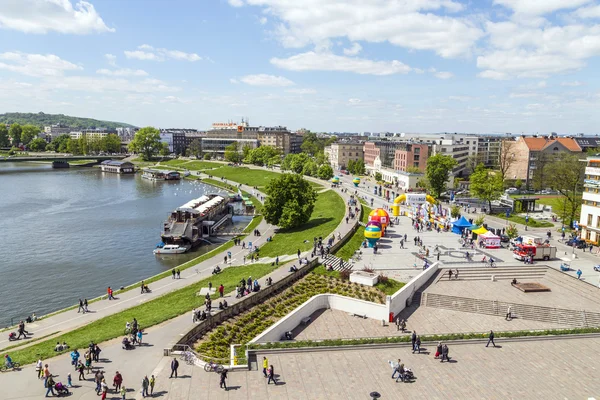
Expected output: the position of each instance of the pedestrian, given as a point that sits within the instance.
(110, 293)
(449, 274)
(398, 324)
(413, 340)
(174, 366)
(418, 344)
(403, 326)
(80, 369)
(265, 366)
(222, 383)
(456, 274)
(508, 314)
(139, 337)
(445, 353)
(579, 274)
(152, 382)
(277, 260)
(97, 353)
(142, 285)
(88, 362)
(438, 350)
(69, 380)
(173, 273)
(178, 273)
(47, 375)
(39, 367)
(299, 253)
(103, 389)
(81, 306)
(491, 339)
(271, 374)
(123, 392)
(145, 384)
(98, 382)
(401, 243)
(50, 386)
(117, 381)
(395, 367)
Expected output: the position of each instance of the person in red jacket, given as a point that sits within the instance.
(117, 381)
(221, 290)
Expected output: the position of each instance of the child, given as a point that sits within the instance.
(123, 392)
(69, 383)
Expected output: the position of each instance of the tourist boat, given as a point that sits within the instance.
(158, 175)
(170, 249)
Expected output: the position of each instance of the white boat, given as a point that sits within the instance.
(170, 249)
(186, 173)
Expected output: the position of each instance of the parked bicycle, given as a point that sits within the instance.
(188, 357)
(211, 366)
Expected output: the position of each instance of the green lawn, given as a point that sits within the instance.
(148, 314)
(327, 215)
(250, 177)
(390, 286)
(192, 165)
(532, 222)
(347, 250)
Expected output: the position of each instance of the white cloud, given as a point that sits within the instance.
(111, 59)
(263, 20)
(588, 12)
(411, 24)
(542, 84)
(105, 84)
(443, 75)
(236, 3)
(354, 50)
(122, 72)
(147, 52)
(266, 80)
(540, 7)
(312, 61)
(572, 84)
(42, 16)
(302, 91)
(418, 70)
(35, 64)
(493, 75)
(234, 81)
(524, 95)
(354, 101)
(460, 98)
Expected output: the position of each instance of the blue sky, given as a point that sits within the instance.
(325, 65)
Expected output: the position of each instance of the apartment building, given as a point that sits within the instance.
(89, 133)
(277, 136)
(341, 153)
(528, 153)
(589, 220)
(411, 155)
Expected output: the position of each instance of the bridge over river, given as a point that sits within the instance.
(60, 161)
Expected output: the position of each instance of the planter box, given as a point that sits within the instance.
(364, 278)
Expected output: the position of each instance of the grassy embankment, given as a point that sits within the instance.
(148, 314)
(533, 223)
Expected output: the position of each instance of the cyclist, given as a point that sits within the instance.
(491, 262)
(8, 361)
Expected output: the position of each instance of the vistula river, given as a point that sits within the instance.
(71, 233)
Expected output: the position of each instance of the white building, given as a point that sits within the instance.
(167, 137)
(90, 134)
(590, 209)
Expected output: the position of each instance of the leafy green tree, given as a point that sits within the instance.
(72, 146)
(111, 143)
(512, 231)
(275, 160)
(207, 156)
(83, 145)
(480, 219)
(195, 148)
(518, 183)
(486, 185)
(15, 133)
(286, 164)
(4, 141)
(146, 142)
(60, 143)
(37, 144)
(310, 168)
(321, 158)
(541, 174)
(233, 154)
(298, 162)
(290, 201)
(325, 172)
(567, 173)
(359, 167)
(246, 151)
(261, 155)
(165, 150)
(455, 211)
(438, 172)
(350, 166)
(413, 170)
(51, 146)
(28, 133)
(378, 177)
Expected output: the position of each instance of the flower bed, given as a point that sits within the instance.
(246, 326)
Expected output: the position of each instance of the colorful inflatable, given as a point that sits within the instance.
(356, 181)
(335, 180)
(381, 216)
(372, 234)
(411, 199)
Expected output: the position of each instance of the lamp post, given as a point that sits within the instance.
(527, 218)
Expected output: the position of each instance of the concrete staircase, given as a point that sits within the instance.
(337, 263)
(555, 316)
(499, 273)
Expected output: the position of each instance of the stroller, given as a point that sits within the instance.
(126, 344)
(61, 390)
(407, 375)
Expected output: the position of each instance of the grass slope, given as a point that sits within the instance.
(327, 215)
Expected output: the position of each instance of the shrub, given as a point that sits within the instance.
(370, 270)
(345, 275)
(383, 278)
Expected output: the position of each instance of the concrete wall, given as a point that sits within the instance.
(397, 302)
(318, 302)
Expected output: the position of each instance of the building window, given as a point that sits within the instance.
(589, 219)
(598, 221)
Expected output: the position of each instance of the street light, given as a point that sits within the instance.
(527, 219)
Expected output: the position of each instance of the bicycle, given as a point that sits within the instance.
(491, 263)
(188, 357)
(14, 365)
(211, 366)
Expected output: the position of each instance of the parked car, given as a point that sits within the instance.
(597, 268)
(578, 243)
(504, 238)
(511, 190)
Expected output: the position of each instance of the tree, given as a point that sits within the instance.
(473, 161)
(325, 172)
(479, 220)
(246, 149)
(111, 143)
(512, 231)
(378, 177)
(261, 155)
(567, 173)
(298, 161)
(290, 201)
(455, 211)
(350, 166)
(37, 144)
(51, 146)
(60, 143)
(4, 141)
(413, 170)
(507, 157)
(72, 146)
(286, 163)
(321, 158)
(28, 133)
(15, 133)
(541, 173)
(233, 154)
(146, 142)
(438, 172)
(310, 168)
(518, 183)
(486, 185)
(195, 148)
(207, 156)
(165, 150)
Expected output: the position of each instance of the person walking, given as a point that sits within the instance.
(75, 358)
(145, 383)
(140, 335)
(413, 340)
(47, 375)
(222, 383)
(395, 367)
(174, 366)
(265, 366)
(418, 344)
(491, 339)
(152, 382)
(39, 367)
(81, 369)
(445, 353)
(81, 306)
(103, 389)
(123, 392)
(579, 274)
(117, 381)
(173, 273)
(50, 386)
(438, 350)
(508, 314)
(398, 324)
(271, 374)
(98, 382)
(449, 274)
(85, 306)
(221, 290)
(299, 253)
(109, 293)
(456, 274)
(178, 273)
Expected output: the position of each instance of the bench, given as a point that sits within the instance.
(363, 316)
(305, 321)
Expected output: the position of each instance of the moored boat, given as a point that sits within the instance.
(170, 249)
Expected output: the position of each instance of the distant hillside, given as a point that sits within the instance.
(40, 119)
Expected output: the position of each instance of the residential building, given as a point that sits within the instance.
(459, 147)
(396, 155)
(177, 141)
(488, 150)
(587, 143)
(89, 133)
(529, 153)
(411, 155)
(341, 153)
(589, 220)
(167, 137)
(278, 136)
(126, 133)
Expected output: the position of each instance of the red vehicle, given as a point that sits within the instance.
(539, 252)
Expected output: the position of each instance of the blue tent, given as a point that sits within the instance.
(460, 225)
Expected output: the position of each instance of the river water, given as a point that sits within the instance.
(71, 233)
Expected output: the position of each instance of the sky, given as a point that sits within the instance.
(478, 66)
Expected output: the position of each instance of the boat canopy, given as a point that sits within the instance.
(190, 205)
(203, 208)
